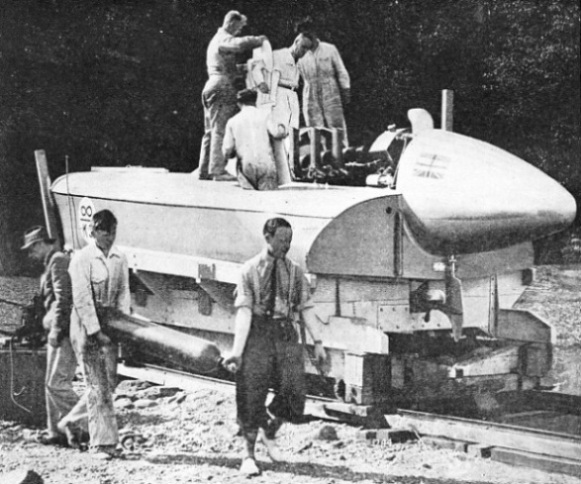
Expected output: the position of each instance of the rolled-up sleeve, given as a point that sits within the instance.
(80, 272)
(243, 293)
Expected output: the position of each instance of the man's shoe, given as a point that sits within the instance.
(47, 439)
(104, 452)
(70, 434)
(224, 177)
(249, 467)
(271, 447)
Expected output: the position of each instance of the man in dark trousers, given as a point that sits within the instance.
(266, 351)
(55, 291)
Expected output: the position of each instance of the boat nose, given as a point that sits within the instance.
(463, 195)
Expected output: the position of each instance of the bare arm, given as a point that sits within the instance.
(241, 332)
(241, 44)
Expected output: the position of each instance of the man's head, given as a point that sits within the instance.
(246, 97)
(300, 46)
(278, 234)
(234, 22)
(104, 229)
(37, 243)
(308, 28)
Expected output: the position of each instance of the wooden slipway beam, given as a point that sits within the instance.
(489, 434)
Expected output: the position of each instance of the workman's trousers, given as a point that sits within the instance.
(257, 176)
(272, 358)
(95, 410)
(219, 100)
(61, 365)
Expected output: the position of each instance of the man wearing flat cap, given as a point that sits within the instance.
(248, 138)
(55, 291)
(219, 94)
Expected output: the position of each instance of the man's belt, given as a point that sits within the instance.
(287, 85)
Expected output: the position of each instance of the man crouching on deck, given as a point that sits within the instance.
(266, 351)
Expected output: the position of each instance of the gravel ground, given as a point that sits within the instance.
(178, 437)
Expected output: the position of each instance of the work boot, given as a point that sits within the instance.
(271, 447)
(249, 467)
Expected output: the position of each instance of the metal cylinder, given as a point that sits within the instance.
(187, 351)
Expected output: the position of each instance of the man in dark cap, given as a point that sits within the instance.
(248, 139)
(219, 94)
(55, 290)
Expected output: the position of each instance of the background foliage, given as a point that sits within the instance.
(119, 82)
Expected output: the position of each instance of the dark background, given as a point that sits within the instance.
(119, 82)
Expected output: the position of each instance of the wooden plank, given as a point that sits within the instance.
(537, 461)
(443, 443)
(489, 433)
(48, 204)
(395, 436)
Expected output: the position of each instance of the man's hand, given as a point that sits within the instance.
(232, 362)
(100, 339)
(263, 88)
(263, 38)
(346, 95)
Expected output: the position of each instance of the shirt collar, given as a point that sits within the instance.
(267, 257)
(96, 252)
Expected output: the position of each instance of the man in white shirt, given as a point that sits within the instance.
(248, 138)
(100, 279)
(283, 83)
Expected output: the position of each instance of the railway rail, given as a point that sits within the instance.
(536, 429)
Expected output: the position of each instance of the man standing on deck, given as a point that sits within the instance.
(327, 84)
(283, 82)
(266, 352)
(55, 291)
(248, 138)
(219, 94)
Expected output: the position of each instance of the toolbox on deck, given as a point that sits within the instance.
(22, 398)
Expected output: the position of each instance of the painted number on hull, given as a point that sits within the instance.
(86, 212)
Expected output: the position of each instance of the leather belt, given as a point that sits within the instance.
(288, 86)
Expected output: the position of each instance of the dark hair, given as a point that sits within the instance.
(247, 96)
(274, 223)
(104, 220)
(307, 27)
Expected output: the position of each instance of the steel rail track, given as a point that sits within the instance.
(539, 430)
(318, 407)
